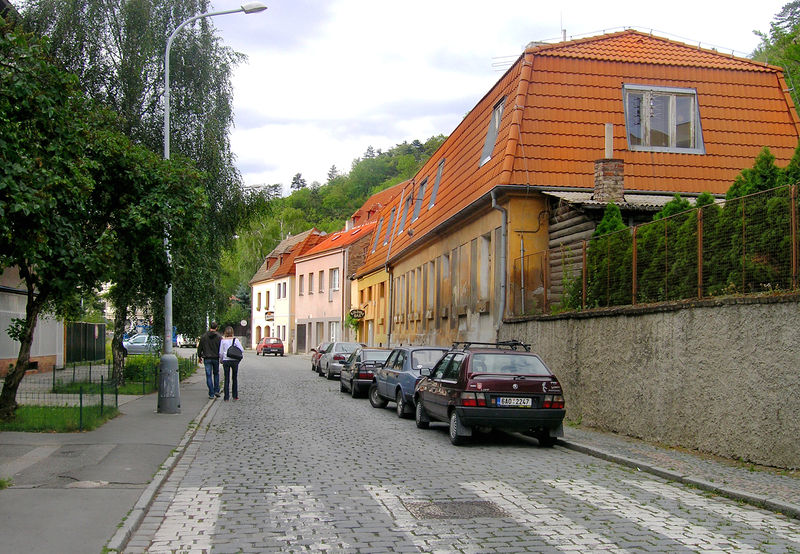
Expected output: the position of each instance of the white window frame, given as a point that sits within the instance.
(671, 94)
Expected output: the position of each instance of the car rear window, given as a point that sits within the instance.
(519, 364)
(346, 346)
(376, 356)
(426, 358)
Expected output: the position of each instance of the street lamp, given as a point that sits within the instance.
(169, 397)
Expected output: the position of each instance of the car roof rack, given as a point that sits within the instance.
(509, 344)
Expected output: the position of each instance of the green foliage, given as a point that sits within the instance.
(779, 45)
(764, 175)
(58, 419)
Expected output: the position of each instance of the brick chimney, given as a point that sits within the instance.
(609, 173)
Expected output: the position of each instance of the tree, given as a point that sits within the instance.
(779, 46)
(333, 173)
(298, 182)
(117, 51)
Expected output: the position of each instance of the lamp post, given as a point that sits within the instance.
(169, 398)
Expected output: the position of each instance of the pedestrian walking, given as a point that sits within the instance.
(208, 353)
(231, 352)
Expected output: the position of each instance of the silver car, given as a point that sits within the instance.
(142, 344)
(330, 363)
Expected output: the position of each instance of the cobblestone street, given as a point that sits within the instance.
(296, 465)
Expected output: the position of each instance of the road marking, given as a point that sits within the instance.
(765, 522)
(694, 537)
(36, 455)
(189, 523)
(427, 535)
(545, 522)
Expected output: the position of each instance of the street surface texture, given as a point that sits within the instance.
(295, 466)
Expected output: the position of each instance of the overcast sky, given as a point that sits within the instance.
(326, 79)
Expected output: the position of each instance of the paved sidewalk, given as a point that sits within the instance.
(72, 492)
(769, 488)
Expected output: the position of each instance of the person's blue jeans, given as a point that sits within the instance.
(212, 375)
(231, 368)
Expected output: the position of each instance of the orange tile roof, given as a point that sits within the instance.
(289, 248)
(342, 239)
(558, 98)
(369, 211)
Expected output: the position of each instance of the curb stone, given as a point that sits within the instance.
(761, 501)
(131, 523)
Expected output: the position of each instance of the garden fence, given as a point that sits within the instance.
(745, 245)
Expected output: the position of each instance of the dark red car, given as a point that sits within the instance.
(316, 354)
(270, 345)
(491, 385)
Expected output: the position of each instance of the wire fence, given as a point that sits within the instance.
(746, 245)
(90, 386)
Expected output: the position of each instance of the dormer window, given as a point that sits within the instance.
(491, 132)
(662, 119)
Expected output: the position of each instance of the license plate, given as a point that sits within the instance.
(514, 402)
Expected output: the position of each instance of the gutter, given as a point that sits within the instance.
(501, 312)
(387, 269)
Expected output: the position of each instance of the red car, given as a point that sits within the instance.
(491, 385)
(270, 345)
(317, 354)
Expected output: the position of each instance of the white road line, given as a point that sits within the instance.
(305, 515)
(429, 535)
(189, 523)
(765, 522)
(555, 529)
(657, 520)
(36, 455)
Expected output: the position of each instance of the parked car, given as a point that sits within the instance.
(330, 363)
(396, 380)
(142, 343)
(358, 370)
(269, 345)
(491, 385)
(185, 341)
(317, 354)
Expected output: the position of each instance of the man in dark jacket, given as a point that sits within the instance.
(208, 353)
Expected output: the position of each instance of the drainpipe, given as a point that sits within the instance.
(503, 272)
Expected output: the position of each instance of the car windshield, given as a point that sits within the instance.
(518, 364)
(376, 355)
(425, 358)
(346, 346)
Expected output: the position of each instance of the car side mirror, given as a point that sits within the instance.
(313, 349)
(425, 372)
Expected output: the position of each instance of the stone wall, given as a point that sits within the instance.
(719, 376)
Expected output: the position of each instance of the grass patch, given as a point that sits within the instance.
(58, 419)
(5, 483)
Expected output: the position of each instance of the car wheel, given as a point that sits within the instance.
(329, 373)
(354, 390)
(341, 386)
(281, 354)
(421, 416)
(402, 406)
(545, 440)
(374, 398)
(455, 427)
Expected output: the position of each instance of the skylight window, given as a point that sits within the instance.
(377, 235)
(662, 119)
(418, 203)
(406, 206)
(491, 133)
(389, 227)
(436, 184)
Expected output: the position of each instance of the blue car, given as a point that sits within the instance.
(395, 381)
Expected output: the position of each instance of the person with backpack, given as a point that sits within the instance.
(231, 352)
(208, 353)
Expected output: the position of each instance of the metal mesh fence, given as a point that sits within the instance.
(746, 245)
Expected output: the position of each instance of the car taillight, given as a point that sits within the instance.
(364, 375)
(338, 357)
(553, 401)
(473, 399)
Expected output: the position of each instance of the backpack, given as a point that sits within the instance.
(234, 352)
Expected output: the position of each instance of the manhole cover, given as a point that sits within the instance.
(454, 509)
